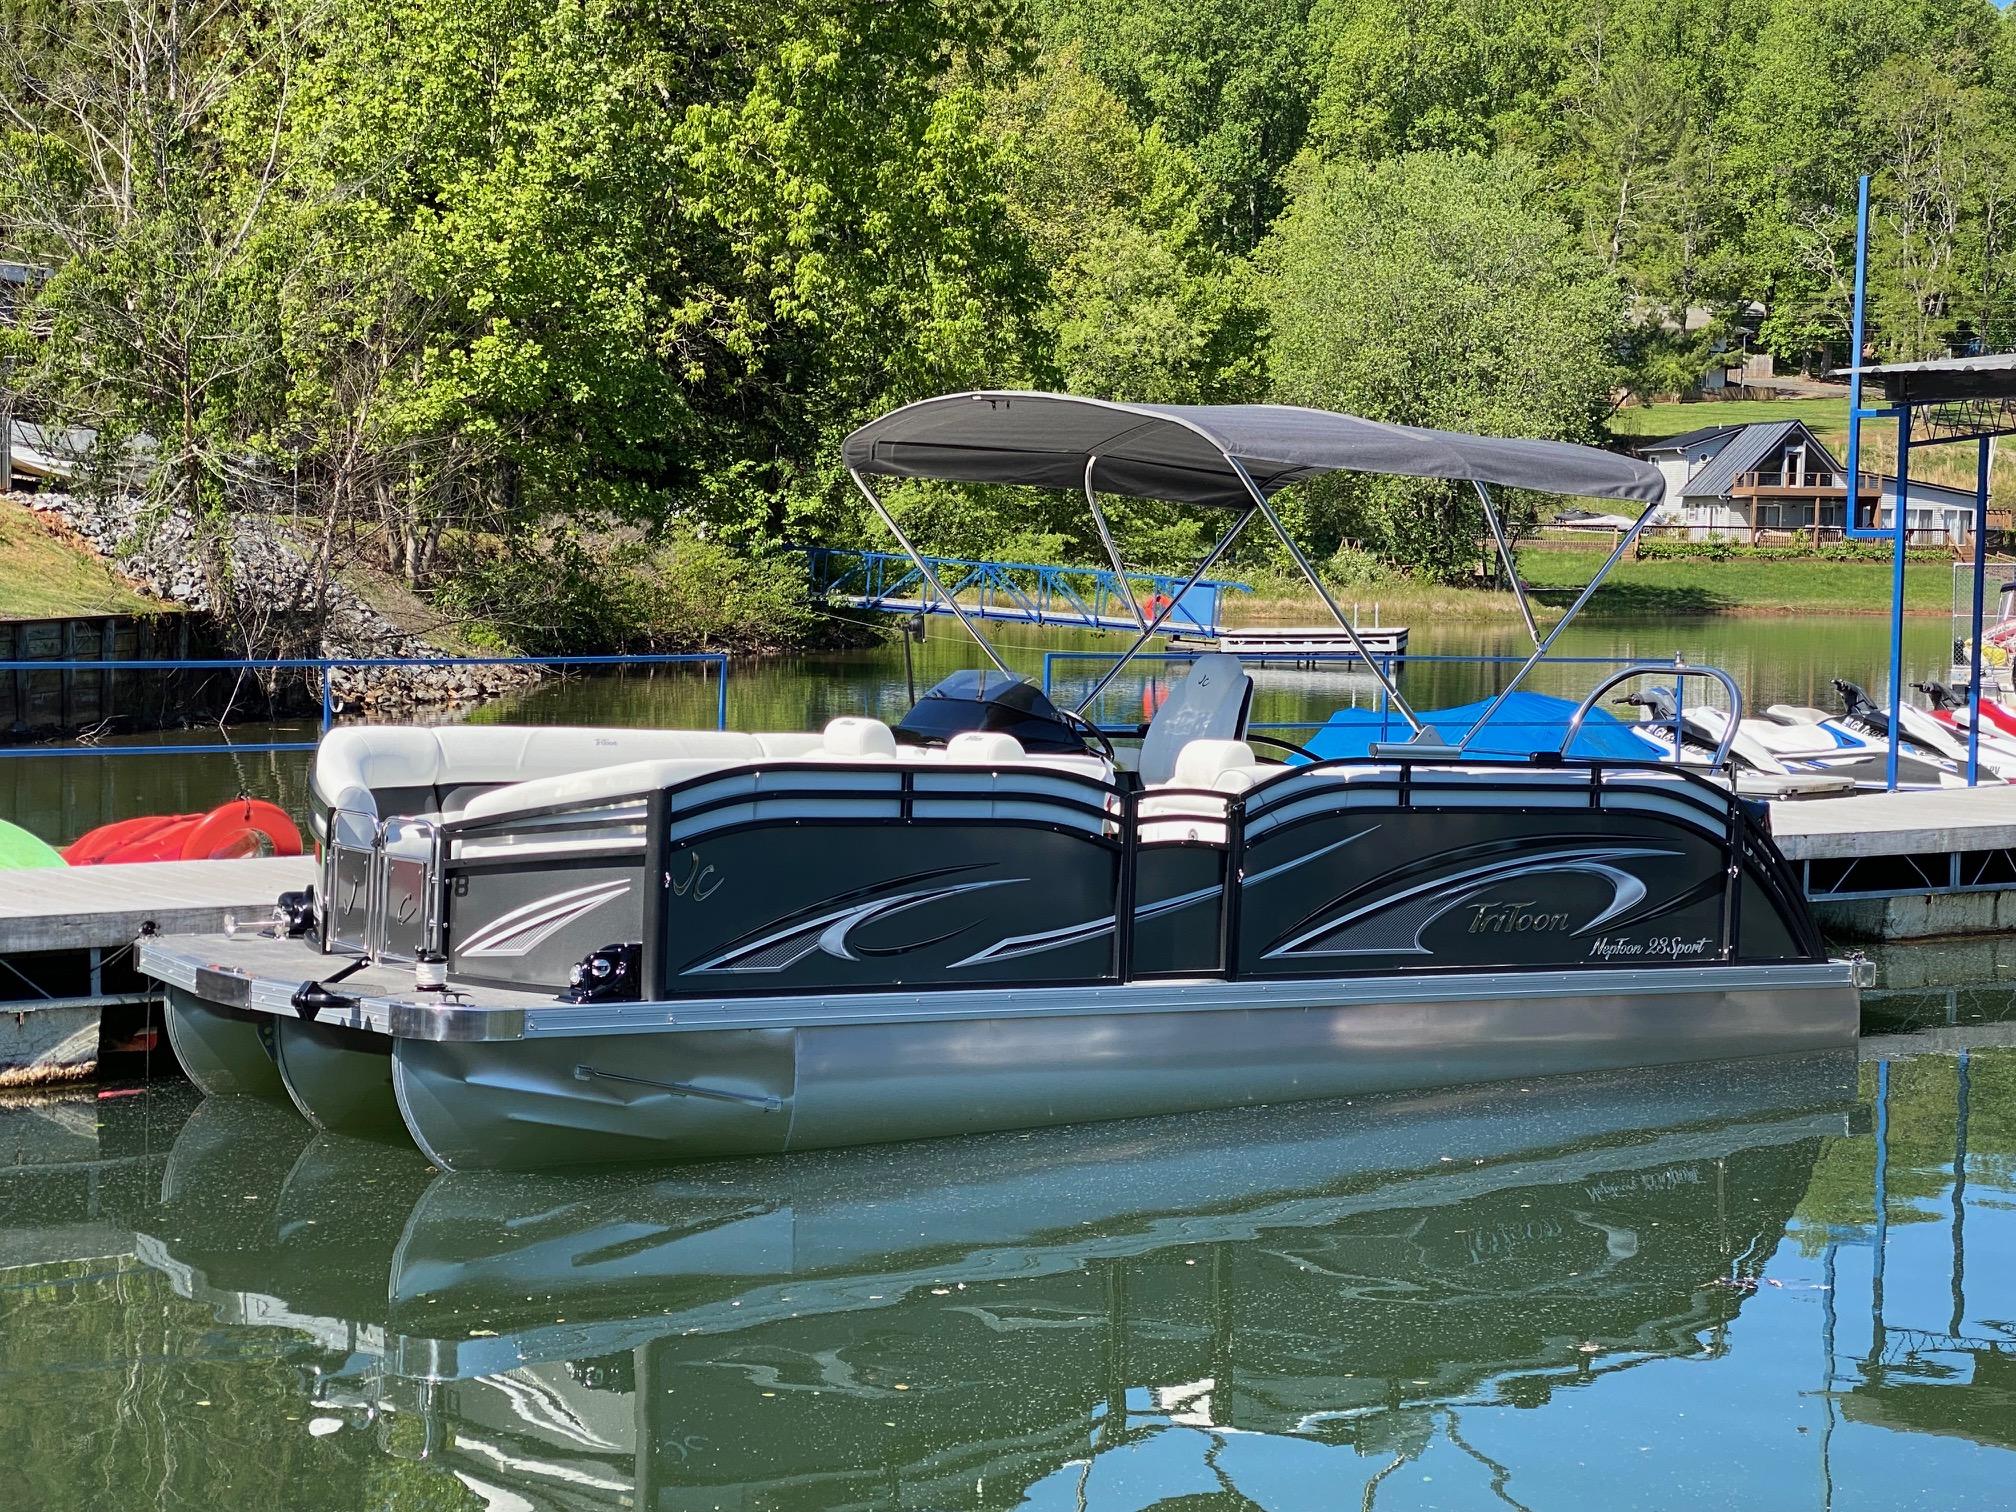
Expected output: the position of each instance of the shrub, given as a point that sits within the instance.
(1353, 567)
(1725, 549)
(569, 594)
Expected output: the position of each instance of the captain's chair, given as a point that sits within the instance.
(1210, 703)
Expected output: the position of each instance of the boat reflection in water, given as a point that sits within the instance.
(1286, 1304)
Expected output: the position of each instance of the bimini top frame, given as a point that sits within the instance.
(1234, 457)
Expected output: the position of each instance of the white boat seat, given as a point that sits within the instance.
(633, 779)
(1209, 704)
(984, 746)
(402, 769)
(864, 740)
(853, 738)
(1203, 768)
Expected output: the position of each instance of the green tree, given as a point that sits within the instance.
(1227, 80)
(1139, 304)
(1432, 289)
(128, 174)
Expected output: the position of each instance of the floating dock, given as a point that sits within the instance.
(1905, 866)
(1301, 645)
(68, 990)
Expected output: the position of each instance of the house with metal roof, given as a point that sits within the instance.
(1778, 479)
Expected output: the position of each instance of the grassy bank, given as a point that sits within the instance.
(1694, 587)
(44, 576)
(1635, 590)
(1399, 602)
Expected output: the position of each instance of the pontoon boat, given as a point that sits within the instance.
(548, 946)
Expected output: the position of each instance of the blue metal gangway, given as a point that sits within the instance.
(1034, 593)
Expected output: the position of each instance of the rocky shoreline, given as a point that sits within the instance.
(269, 583)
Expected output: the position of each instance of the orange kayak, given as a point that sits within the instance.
(242, 827)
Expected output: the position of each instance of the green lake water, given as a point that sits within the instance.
(1775, 1284)
(1778, 1284)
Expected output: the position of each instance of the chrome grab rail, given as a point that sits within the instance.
(1677, 670)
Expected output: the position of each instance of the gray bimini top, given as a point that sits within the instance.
(1193, 453)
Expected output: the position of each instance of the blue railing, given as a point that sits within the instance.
(325, 667)
(1036, 593)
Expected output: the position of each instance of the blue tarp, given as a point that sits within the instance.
(1525, 723)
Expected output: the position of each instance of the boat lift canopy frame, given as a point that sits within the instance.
(1231, 457)
(1935, 403)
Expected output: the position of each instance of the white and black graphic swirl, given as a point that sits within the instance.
(1392, 923)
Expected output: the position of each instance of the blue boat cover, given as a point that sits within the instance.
(1524, 723)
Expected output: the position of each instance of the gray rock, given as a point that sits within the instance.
(159, 552)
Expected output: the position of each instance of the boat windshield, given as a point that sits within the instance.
(977, 699)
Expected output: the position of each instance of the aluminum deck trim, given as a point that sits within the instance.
(517, 1015)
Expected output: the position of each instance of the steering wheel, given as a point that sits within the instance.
(1085, 726)
(1286, 745)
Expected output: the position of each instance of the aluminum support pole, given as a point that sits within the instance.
(1224, 545)
(1849, 526)
(1980, 597)
(1624, 544)
(1505, 556)
(1899, 544)
(1106, 540)
(1260, 502)
(929, 576)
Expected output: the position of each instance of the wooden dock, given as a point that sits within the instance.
(68, 990)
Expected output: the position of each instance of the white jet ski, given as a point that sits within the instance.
(1798, 742)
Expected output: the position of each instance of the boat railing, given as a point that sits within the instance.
(1165, 845)
(1679, 671)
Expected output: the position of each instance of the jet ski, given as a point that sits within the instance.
(1799, 742)
(1756, 770)
(1914, 726)
(1857, 741)
(1699, 730)
(1950, 707)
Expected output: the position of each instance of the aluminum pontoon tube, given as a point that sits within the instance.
(1274, 521)
(929, 576)
(537, 1101)
(222, 1051)
(340, 1079)
(1505, 556)
(1106, 540)
(1224, 545)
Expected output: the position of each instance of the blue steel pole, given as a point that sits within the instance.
(1900, 507)
(1849, 527)
(1980, 593)
(328, 697)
